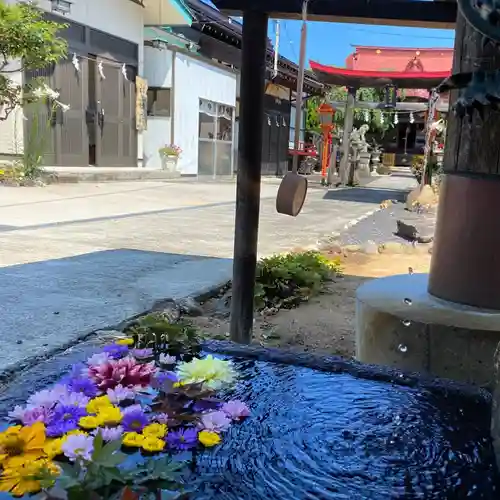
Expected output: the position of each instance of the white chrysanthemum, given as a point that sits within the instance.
(213, 372)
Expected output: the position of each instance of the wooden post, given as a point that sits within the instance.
(465, 264)
(348, 123)
(249, 173)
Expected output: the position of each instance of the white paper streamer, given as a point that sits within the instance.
(124, 71)
(412, 118)
(76, 63)
(396, 119)
(100, 68)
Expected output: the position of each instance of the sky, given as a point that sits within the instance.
(331, 43)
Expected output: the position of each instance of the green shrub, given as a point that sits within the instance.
(284, 281)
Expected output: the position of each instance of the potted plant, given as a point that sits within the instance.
(169, 155)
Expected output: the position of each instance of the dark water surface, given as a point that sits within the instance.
(315, 435)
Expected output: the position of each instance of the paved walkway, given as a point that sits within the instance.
(76, 258)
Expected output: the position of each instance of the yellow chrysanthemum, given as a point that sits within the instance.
(53, 447)
(90, 422)
(213, 372)
(26, 442)
(152, 444)
(76, 432)
(125, 342)
(23, 476)
(99, 403)
(133, 439)
(208, 438)
(155, 430)
(110, 415)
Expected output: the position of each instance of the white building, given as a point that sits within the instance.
(105, 54)
(191, 104)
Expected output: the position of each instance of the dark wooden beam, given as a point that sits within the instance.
(253, 71)
(413, 13)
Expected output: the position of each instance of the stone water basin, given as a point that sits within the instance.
(348, 431)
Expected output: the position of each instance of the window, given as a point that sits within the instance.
(159, 102)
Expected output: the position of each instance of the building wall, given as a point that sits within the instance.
(121, 18)
(158, 69)
(195, 80)
(192, 79)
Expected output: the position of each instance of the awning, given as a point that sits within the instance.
(332, 75)
(166, 13)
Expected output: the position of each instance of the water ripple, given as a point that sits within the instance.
(326, 436)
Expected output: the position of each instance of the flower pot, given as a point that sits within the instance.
(169, 163)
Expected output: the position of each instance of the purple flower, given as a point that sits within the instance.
(215, 421)
(82, 385)
(236, 410)
(64, 419)
(119, 394)
(183, 439)
(99, 359)
(134, 420)
(203, 405)
(73, 399)
(30, 415)
(47, 398)
(142, 353)
(166, 359)
(116, 351)
(161, 418)
(110, 433)
(78, 447)
(164, 380)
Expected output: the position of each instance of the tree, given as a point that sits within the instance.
(27, 42)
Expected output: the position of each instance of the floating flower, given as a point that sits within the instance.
(161, 418)
(116, 351)
(125, 342)
(212, 372)
(142, 353)
(204, 405)
(78, 447)
(133, 439)
(110, 415)
(126, 372)
(89, 422)
(53, 447)
(22, 478)
(164, 380)
(82, 384)
(30, 415)
(48, 397)
(119, 394)
(236, 410)
(215, 421)
(153, 444)
(134, 421)
(155, 430)
(208, 438)
(65, 419)
(97, 404)
(166, 359)
(73, 399)
(98, 359)
(183, 439)
(110, 433)
(24, 442)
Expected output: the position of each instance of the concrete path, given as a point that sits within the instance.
(76, 258)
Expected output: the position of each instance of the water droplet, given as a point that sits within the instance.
(410, 270)
(408, 302)
(402, 348)
(406, 322)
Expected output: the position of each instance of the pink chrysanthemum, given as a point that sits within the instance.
(126, 372)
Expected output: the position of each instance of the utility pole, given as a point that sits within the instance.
(276, 47)
(300, 87)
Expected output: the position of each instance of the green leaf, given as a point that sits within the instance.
(98, 447)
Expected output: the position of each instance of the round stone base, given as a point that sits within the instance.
(399, 324)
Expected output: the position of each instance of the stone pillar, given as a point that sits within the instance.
(465, 266)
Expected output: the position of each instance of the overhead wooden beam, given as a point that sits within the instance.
(412, 13)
